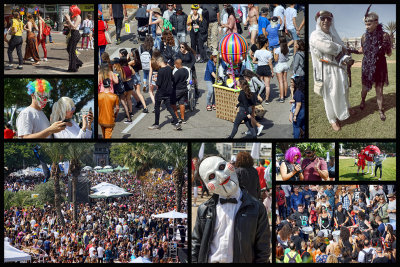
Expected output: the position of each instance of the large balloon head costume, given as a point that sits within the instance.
(40, 88)
(233, 49)
(219, 176)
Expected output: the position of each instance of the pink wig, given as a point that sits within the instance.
(291, 153)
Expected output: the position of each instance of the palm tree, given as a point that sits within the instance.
(75, 152)
(140, 158)
(391, 28)
(176, 154)
(56, 152)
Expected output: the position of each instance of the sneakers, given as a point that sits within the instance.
(266, 102)
(154, 127)
(209, 108)
(118, 41)
(45, 59)
(178, 126)
(259, 129)
(20, 67)
(9, 67)
(281, 100)
(80, 49)
(128, 121)
(145, 110)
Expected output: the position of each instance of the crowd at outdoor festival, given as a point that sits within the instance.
(106, 231)
(173, 42)
(336, 224)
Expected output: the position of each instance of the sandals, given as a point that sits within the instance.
(214, 107)
(362, 105)
(209, 108)
(382, 115)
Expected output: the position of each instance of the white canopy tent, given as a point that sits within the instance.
(107, 167)
(140, 260)
(110, 192)
(104, 185)
(98, 168)
(12, 254)
(87, 168)
(172, 215)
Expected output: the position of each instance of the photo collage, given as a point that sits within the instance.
(217, 132)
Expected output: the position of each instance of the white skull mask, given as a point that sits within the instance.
(219, 176)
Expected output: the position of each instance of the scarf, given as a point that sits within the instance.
(371, 47)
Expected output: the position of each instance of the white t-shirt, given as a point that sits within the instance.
(263, 57)
(167, 14)
(282, 57)
(100, 252)
(73, 132)
(91, 252)
(31, 121)
(290, 13)
(279, 11)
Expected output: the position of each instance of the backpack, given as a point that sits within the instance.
(145, 58)
(367, 256)
(119, 88)
(166, 25)
(292, 259)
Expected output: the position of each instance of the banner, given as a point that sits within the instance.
(255, 150)
(201, 151)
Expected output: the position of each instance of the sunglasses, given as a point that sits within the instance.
(73, 109)
(370, 20)
(170, 5)
(326, 18)
(308, 152)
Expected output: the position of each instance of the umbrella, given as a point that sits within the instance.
(87, 168)
(172, 215)
(97, 168)
(141, 260)
(107, 167)
(103, 186)
(370, 150)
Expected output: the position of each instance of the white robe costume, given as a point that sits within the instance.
(330, 80)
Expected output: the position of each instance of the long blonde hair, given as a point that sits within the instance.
(60, 109)
(29, 16)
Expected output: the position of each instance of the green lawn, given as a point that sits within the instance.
(348, 172)
(364, 124)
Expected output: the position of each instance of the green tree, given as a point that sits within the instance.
(140, 158)
(209, 148)
(56, 152)
(176, 155)
(18, 156)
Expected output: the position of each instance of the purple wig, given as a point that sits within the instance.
(291, 153)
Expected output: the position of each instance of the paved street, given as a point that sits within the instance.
(57, 58)
(200, 123)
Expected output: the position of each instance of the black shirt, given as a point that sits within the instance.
(383, 259)
(340, 216)
(164, 81)
(244, 101)
(301, 218)
(212, 9)
(180, 80)
(188, 59)
(117, 10)
(299, 97)
(297, 241)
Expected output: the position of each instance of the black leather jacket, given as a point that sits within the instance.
(251, 231)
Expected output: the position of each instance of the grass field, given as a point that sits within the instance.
(348, 172)
(364, 124)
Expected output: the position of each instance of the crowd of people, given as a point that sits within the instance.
(38, 29)
(168, 61)
(311, 168)
(106, 231)
(336, 224)
(32, 122)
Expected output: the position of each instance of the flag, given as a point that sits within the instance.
(66, 167)
(201, 151)
(327, 156)
(255, 150)
(45, 169)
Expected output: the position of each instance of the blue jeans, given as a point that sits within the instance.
(145, 77)
(153, 29)
(299, 123)
(210, 93)
(102, 48)
(157, 42)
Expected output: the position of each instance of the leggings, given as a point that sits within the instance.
(241, 115)
(43, 43)
(15, 43)
(380, 169)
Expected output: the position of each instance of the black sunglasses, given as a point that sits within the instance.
(326, 18)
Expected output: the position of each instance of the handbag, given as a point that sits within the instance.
(107, 35)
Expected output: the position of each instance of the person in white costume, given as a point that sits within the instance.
(328, 53)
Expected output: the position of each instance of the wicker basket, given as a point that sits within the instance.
(226, 100)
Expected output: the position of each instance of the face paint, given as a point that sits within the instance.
(219, 176)
(42, 100)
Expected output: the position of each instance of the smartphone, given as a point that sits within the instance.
(66, 120)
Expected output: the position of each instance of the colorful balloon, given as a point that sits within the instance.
(233, 48)
(370, 151)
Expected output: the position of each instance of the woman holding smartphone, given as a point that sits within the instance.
(63, 110)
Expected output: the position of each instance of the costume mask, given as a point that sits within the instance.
(219, 176)
(40, 88)
(41, 99)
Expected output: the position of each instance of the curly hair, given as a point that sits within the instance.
(148, 43)
(168, 38)
(244, 159)
(344, 234)
(285, 232)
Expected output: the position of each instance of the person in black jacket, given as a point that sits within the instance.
(247, 174)
(181, 76)
(188, 56)
(165, 89)
(246, 100)
(232, 226)
(179, 28)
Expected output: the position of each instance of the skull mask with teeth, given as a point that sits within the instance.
(219, 176)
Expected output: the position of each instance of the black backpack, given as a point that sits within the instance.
(368, 256)
(119, 88)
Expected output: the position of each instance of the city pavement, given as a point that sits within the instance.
(57, 57)
(200, 122)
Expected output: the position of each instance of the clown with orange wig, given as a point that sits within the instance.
(32, 122)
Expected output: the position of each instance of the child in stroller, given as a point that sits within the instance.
(143, 20)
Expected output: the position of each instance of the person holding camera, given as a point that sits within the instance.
(314, 168)
(290, 168)
(328, 53)
(63, 110)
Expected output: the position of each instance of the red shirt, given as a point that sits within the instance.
(8, 134)
(101, 36)
(280, 197)
(361, 156)
(261, 172)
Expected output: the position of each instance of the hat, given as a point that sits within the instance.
(391, 195)
(107, 83)
(264, 10)
(323, 13)
(195, 6)
(156, 10)
(215, 53)
(274, 19)
(179, 8)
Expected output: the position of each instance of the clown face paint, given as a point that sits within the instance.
(42, 100)
(219, 176)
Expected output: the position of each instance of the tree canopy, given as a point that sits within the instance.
(388, 147)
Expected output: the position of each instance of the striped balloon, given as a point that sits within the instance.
(233, 48)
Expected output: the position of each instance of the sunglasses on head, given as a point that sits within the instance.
(326, 18)
(370, 20)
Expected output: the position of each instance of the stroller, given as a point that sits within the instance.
(143, 23)
(191, 98)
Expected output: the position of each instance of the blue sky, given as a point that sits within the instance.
(349, 17)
